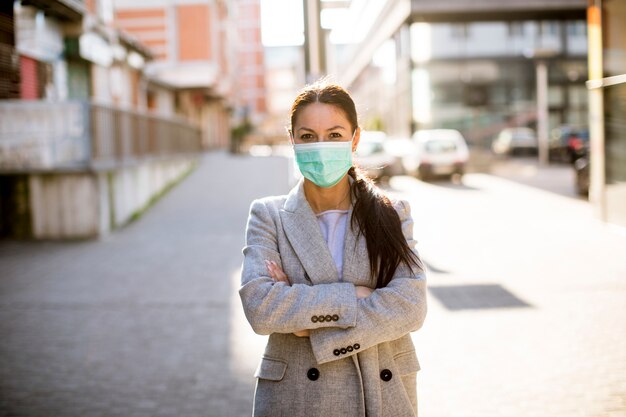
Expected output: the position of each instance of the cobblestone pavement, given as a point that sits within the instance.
(138, 323)
(526, 315)
(527, 302)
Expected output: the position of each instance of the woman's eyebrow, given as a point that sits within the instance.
(332, 128)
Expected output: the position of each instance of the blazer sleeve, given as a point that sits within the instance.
(387, 314)
(272, 307)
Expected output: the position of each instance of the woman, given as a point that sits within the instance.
(331, 275)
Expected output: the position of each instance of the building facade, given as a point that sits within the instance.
(210, 51)
(284, 77)
(249, 63)
(79, 153)
(466, 65)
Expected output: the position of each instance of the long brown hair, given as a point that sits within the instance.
(373, 214)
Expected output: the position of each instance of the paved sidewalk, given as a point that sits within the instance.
(527, 301)
(526, 316)
(139, 323)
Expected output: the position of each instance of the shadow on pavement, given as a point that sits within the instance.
(476, 297)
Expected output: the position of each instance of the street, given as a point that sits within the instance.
(527, 303)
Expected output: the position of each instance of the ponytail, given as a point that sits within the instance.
(375, 217)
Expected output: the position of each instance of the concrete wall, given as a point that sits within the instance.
(132, 189)
(90, 204)
(64, 205)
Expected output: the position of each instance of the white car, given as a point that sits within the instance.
(438, 152)
(373, 157)
(514, 140)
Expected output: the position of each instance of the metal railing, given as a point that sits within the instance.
(43, 135)
(126, 135)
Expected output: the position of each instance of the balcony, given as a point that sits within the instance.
(75, 170)
(42, 136)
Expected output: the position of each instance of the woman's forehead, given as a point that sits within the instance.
(321, 115)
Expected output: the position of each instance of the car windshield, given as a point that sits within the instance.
(440, 146)
(368, 147)
(523, 135)
(519, 133)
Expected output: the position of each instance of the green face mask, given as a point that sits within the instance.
(324, 163)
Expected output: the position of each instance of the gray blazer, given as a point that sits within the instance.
(359, 359)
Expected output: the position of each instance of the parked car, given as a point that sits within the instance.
(515, 140)
(374, 158)
(568, 143)
(581, 166)
(438, 152)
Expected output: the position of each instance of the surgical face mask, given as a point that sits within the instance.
(324, 163)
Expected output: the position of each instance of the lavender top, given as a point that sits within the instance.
(333, 225)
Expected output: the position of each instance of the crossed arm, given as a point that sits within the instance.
(278, 275)
(368, 317)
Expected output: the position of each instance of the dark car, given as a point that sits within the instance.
(568, 143)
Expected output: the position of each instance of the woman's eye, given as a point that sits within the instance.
(306, 136)
(335, 135)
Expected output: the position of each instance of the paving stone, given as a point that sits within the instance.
(138, 320)
(147, 321)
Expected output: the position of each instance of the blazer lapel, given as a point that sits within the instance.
(304, 234)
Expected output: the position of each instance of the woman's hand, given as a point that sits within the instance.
(276, 272)
(363, 292)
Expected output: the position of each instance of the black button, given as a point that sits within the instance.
(335, 317)
(329, 318)
(337, 352)
(321, 319)
(343, 351)
(313, 374)
(314, 319)
(349, 348)
(356, 346)
(386, 375)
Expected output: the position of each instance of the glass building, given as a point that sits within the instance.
(466, 65)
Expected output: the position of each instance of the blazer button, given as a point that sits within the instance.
(349, 348)
(329, 318)
(356, 346)
(343, 351)
(321, 319)
(313, 374)
(314, 319)
(335, 317)
(386, 375)
(337, 352)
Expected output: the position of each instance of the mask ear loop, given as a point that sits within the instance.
(353, 136)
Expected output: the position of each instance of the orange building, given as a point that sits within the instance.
(250, 70)
(210, 51)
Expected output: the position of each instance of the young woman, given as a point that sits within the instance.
(330, 273)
